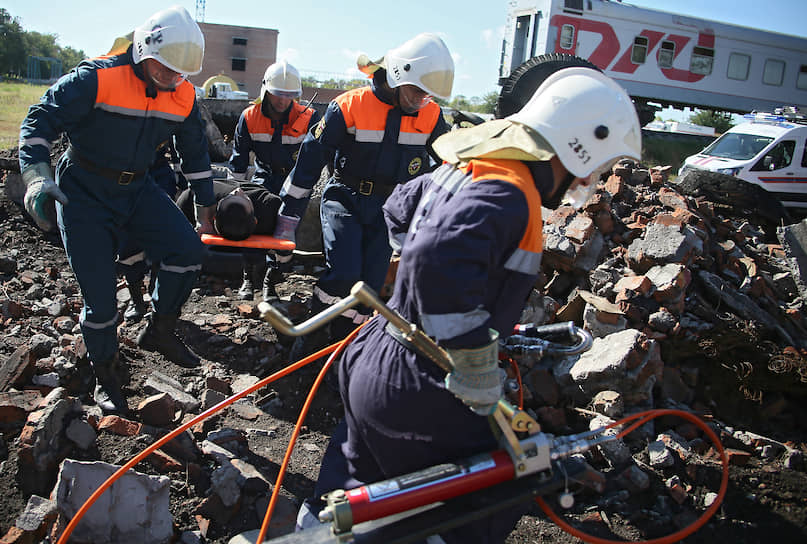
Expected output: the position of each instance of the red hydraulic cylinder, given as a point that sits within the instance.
(434, 484)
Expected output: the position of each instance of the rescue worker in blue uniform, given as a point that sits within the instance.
(379, 136)
(273, 129)
(132, 262)
(470, 240)
(117, 110)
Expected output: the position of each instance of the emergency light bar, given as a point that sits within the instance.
(781, 117)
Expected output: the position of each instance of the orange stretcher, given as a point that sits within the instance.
(258, 241)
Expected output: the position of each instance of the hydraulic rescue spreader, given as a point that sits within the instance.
(531, 455)
(433, 500)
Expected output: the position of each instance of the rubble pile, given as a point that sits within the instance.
(675, 291)
(641, 265)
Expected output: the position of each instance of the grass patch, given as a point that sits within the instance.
(15, 98)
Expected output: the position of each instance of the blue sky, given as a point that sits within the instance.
(327, 36)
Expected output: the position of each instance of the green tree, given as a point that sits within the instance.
(70, 57)
(12, 48)
(489, 102)
(17, 45)
(721, 121)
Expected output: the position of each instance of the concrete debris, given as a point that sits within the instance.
(641, 266)
(133, 509)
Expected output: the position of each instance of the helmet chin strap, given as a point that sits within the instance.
(396, 93)
(557, 197)
(542, 177)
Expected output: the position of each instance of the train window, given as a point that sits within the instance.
(567, 37)
(639, 52)
(801, 80)
(574, 5)
(666, 54)
(738, 66)
(702, 60)
(774, 72)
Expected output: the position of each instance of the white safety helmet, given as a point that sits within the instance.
(423, 61)
(281, 79)
(587, 118)
(172, 38)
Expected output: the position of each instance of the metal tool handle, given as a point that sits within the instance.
(361, 293)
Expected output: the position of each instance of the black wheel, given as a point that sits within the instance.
(524, 80)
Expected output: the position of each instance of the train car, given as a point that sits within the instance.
(663, 59)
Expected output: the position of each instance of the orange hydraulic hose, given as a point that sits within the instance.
(644, 417)
(514, 365)
(170, 436)
(300, 419)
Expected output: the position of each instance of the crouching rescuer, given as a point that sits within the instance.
(469, 236)
(117, 110)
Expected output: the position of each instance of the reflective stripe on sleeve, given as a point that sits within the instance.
(526, 262)
(35, 141)
(445, 326)
(198, 175)
(136, 258)
(180, 269)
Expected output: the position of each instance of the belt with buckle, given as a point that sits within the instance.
(121, 176)
(366, 187)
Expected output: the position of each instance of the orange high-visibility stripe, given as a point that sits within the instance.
(121, 91)
(299, 117)
(517, 173)
(258, 123)
(363, 111)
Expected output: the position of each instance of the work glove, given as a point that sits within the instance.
(286, 226)
(237, 176)
(476, 379)
(40, 188)
(204, 219)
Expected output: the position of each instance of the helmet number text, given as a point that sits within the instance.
(579, 150)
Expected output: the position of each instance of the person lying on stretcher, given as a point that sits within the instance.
(244, 209)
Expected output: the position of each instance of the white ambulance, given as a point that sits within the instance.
(769, 150)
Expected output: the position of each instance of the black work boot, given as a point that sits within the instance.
(159, 335)
(341, 327)
(306, 345)
(272, 277)
(314, 341)
(107, 393)
(245, 292)
(137, 307)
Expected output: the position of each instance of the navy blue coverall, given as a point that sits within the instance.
(470, 242)
(374, 146)
(116, 123)
(275, 143)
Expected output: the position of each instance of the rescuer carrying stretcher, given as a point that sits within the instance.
(117, 110)
(272, 128)
(376, 137)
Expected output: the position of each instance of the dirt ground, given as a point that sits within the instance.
(764, 500)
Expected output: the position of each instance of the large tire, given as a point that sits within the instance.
(525, 80)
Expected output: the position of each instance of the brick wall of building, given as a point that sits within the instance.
(254, 48)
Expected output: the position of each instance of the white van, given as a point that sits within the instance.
(768, 150)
